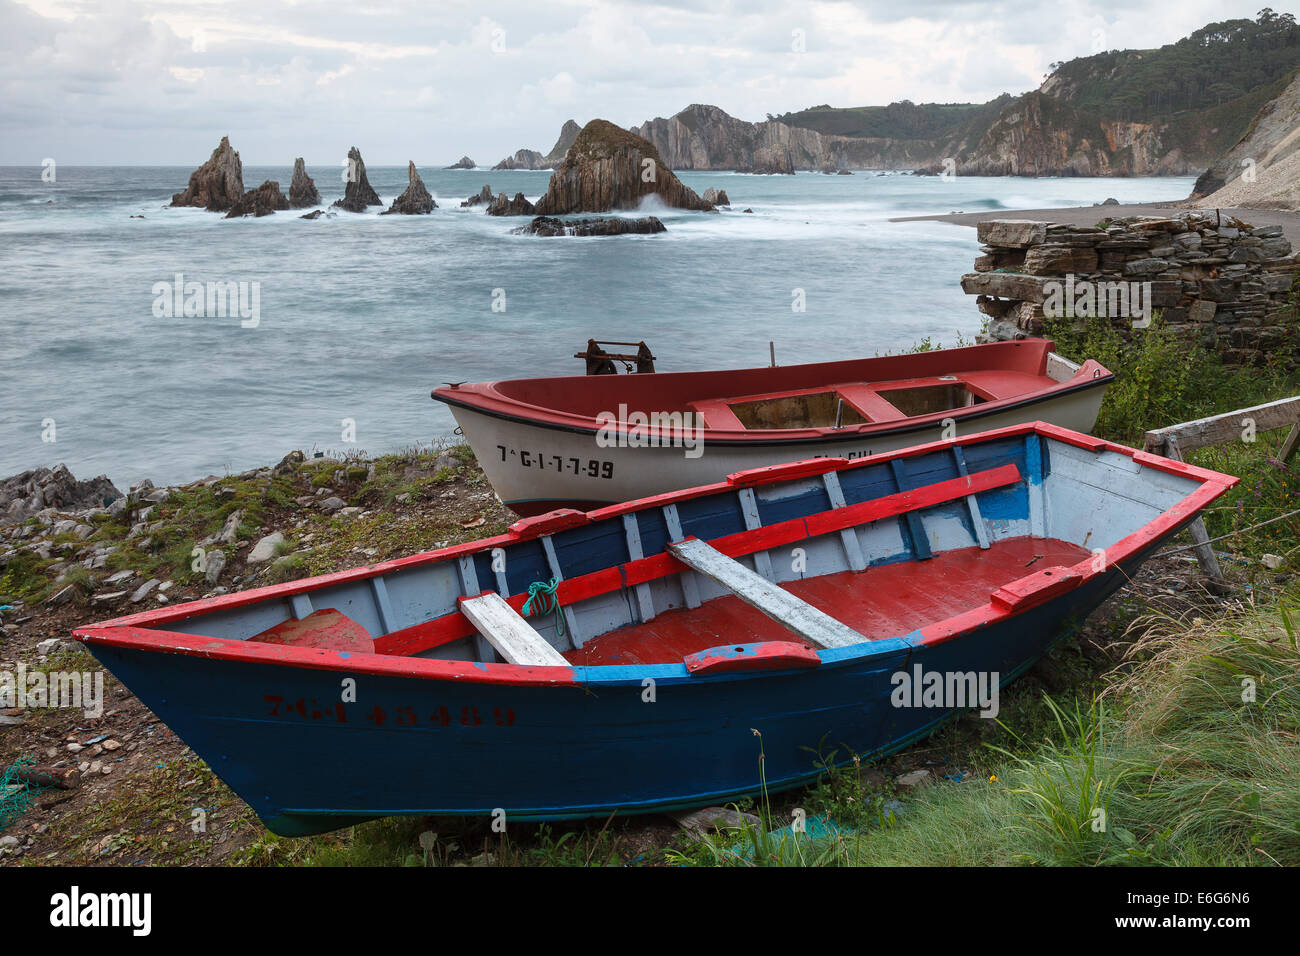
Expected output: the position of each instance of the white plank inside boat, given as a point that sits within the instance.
(510, 634)
(810, 623)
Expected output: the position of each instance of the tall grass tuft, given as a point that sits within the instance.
(1193, 760)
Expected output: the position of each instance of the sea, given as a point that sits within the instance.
(336, 329)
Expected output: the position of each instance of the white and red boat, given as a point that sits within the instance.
(585, 441)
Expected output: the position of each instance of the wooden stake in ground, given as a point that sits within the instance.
(1175, 440)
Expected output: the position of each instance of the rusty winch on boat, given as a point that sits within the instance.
(600, 362)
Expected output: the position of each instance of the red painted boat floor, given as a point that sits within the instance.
(886, 601)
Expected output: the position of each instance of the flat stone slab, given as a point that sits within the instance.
(1012, 233)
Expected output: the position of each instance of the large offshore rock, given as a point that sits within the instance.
(604, 226)
(771, 161)
(302, 188)
(524, 159)
(609, 168)
(358, 194)
(216, 185)
(262, 201)
(503, 205)
(415, 201)
(568, 135)
(484, 197)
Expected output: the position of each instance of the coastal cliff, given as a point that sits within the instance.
(1039, 135)
(1262, 170)
(707, 137)
(1169, 111)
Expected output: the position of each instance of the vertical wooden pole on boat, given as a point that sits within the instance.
(771, 348)
(749, 507)
(972, 503)
(911, 519)
(570, 619)
(469, 587)
(644, 599)
(852, 547)
(690, 587)
(1196, 530)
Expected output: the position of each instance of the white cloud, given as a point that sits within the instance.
(159, 81)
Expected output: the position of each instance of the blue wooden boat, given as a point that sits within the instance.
(659, 635)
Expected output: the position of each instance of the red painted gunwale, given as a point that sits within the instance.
(143, 631)
(1007, 374)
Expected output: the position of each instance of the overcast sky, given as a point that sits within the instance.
(160, 82)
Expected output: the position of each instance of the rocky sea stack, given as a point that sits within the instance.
(568, 134)
(503, 205)
(358, 194)
(483, 197)
(771, 161)
(523, 159)
(609, 168)
(302, 188)
(262, 201)
(532, 159)
(216, 185)
(464, 163)
(415, 201)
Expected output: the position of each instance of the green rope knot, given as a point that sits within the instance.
(542, 599)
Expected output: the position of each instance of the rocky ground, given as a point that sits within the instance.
(139, 785)
(141, 797)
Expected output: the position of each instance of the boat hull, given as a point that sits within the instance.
(601, 741)
(536, 467)
(702, 645)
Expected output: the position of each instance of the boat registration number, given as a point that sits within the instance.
(591, 467)
(399, 716)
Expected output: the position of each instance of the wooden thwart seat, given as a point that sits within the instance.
(813, 625)
(512, 636)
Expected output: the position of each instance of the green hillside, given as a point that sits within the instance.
(1216, 64)
(1205, 87)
